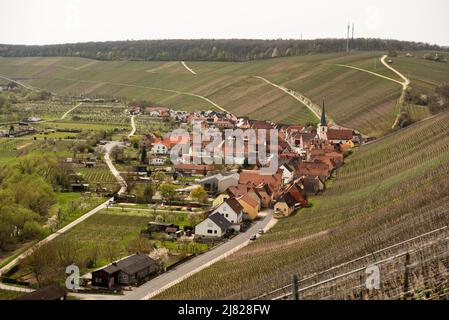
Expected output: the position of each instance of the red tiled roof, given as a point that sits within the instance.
(337, 134)
(246, 198)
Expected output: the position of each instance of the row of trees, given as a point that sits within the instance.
(207, 49)
(27, 197)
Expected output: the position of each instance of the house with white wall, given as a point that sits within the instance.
(215, 226)
(159, 148)
(232, 211)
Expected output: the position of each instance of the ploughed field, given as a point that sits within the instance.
(354, 98)
(388, 191)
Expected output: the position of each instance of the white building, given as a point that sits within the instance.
(215, 226)
(157, 161)
(159, 148)
(287, 173)
(232, 211)
(219, 182)
(322, 126)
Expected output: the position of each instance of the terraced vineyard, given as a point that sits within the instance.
(354, 98)
(388, 191)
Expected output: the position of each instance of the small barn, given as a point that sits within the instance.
(132, 270)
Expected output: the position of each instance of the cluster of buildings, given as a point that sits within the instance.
(306, 158)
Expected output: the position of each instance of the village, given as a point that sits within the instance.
(193, 208)
(228, 198)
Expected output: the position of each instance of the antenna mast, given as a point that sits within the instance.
(347, 38)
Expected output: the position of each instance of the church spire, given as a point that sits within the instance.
(323, 121)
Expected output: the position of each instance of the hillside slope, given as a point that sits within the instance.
(388, 191)
(354, 98)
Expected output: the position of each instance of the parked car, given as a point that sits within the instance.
(253, 237)
(261, 231)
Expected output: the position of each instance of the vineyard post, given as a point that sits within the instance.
(295, 287)
(406, 275)
(362, 285)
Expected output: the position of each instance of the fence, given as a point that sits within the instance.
(415, 268)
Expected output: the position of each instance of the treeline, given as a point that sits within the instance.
(208, 50)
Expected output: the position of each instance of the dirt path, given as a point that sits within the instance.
(150, 88)
(189, 69)
(67, 113)
(26, 86)
(134, 128)
(370, 72)
(108, 148)
(314, 108)
(406, 81)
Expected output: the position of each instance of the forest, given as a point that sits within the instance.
(208, 49)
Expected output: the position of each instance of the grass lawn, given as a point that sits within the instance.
(114, 227)
(75, 204)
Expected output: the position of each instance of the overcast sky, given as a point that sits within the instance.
(64, 21)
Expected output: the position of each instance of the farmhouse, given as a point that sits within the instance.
(250, 206)
(287, 173)
(159, 148)
(285, 205)
(232, 211)
(131, 270)
(307, 168)
(215, 226)
(243, 189)
(255, 178)
(312, 185)
(157, 161)
(266, 195)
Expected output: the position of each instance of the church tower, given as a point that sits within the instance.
(322, 127)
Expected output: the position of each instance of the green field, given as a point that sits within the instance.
(353, 98)
(120, 227)
(388, 191)
(10, 295)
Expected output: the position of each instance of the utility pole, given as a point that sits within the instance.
(352, 41)
(347, 38)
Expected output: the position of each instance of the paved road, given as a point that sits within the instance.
(189, 268)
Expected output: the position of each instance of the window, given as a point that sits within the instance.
(209, 231)
(215, 231)
(227, 215)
